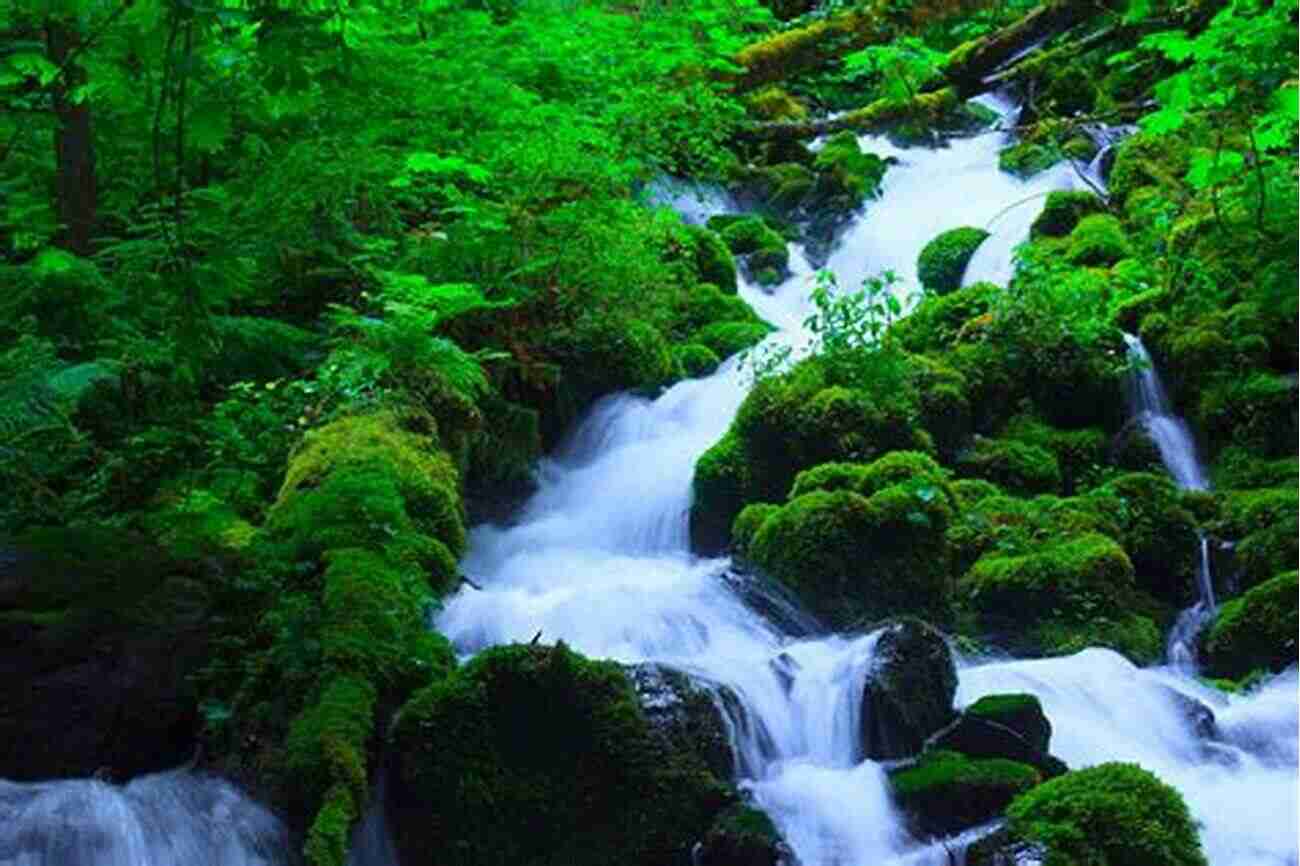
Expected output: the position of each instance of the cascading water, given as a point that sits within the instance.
(1150, 407)
(599, 558)
(164, 819)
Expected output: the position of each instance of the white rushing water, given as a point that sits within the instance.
(165, 819)
(600, 558)
(1149, 405)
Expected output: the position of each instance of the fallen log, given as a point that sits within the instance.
(793, 51)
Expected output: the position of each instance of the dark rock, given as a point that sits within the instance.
(1200, 718)
(998, 849)
(685, 715)
(97, 638)
(909, 691)
(944, 792)
(742, 836)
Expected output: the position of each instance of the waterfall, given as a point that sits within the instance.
(599, 558)
(165, 819)
(1150, 407)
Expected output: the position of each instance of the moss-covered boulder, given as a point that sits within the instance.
(1098, 240)
(532, 755)
(1147, 160)
(684, 715)
(939, 321)
(943, 260)
(1256, 411)
(1109, 815)
(946, 792)
(1015, 466)
(713, 261)
(725, 339)
(742, 836)
(852, 555)
(1059, 597)
(1158, 534)
(1062, 212)
(101, 633)
(1007, 726)
(908, 692)
(1027, 158)
(1080, 454)
(753, 239)
(601, 354)
(696, 360)
(1264, 523)
(1255, 630)
(846, 175)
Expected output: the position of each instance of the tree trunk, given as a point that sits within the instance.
(793, 51)
(74, 145)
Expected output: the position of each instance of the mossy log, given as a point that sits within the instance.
(790, 52)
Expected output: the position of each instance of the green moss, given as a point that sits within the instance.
(1098, 240)
(775, 103)
(327, 839)
(705, 305)
(1014, 466)
(852, 557)
(1062, 212)
(947, 791)
(845, 175)
(753, 238)
(1236, 467)
(722, 485)
(1158, 534)
(1146, 159)
(1108, 814)
(938, 321)
(943, 261)
(1027, 159)
(373, 622)
(327, 742)
(728, 338)
(1022, 713)
(696, 360)
(533, 754)
(1061, 596)
(829, 477)
(1079, 453)
(350, 477)
(972, 490)
(1257, 411)
(601, 354)
(713, 261)
(740, 835)
(786, 186)
(1255, 630)
(748, 522)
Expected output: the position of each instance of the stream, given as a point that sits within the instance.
(600, 558)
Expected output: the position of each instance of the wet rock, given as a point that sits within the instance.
(909, 691)
(1009, 726)
(742, 836)
(97, 638)
(945, 792)
(998, 849)
(1200, 718)
(686, 715)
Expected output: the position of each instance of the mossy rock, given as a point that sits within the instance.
(1108, 814)
(1080, 454)
(1098, 240)
(786, 186)
(1063, 211)
(946, 792)
(725, 339)
(362, 480)
(1026, 159)
(602, 354)
(1257, 411)
(845, 175)
(850, 556)
(943, 261)
(775, 103)
(939, 321)
(713, 261)
(696, 360)
(1254, 630)
(1060, 597)
(748, 522)
(742, 836)
(1158, 534)
(1134, 450)
(908, 693)
(535, 755)
(761, 246)
(970, 491)
(867, 479)
(1236, 467)
(1021, 713)
(1146, 159)
(706, 305)
(723, 484)
(1015, 466)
